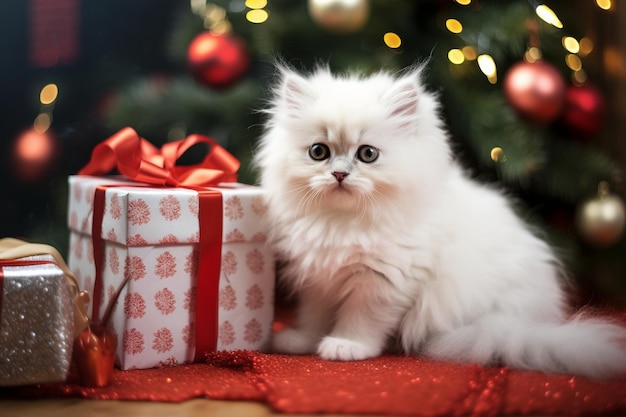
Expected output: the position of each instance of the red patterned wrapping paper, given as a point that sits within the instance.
(150, 236)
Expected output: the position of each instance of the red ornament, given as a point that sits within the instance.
(34, 154)
(94, 355)
(217, 61)
(584, 112)
(535, 90)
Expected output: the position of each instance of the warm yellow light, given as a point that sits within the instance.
(585, 46)
(454, 26)
(392, 40)
(256, 4)
(221, 27)
(604, 4)
(470, 53)
(456, 56)
(49, 94)
(570, 44)
(464, 2)
(496, 154)
(488, 66)
(547, 15)
(532, 54)
(573, 62)
(198, 6)
(579, 77)
(42, 122)
(257, 15)
(215, 13)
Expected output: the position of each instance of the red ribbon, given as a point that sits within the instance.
(137, 159)
(1, 293)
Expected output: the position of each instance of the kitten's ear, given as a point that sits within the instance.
(403, 98)
(294, 91)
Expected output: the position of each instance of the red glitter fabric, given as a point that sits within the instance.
(389, 385)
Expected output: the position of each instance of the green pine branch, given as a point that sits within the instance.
(573, 171)
(155, 107)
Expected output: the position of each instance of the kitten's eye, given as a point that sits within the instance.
(367, 154)
(319, 152)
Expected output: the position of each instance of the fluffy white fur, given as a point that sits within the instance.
(407, 250)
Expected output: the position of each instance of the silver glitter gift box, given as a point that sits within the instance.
(36, 321)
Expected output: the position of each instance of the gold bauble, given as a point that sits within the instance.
(340, 16)
(601, 220)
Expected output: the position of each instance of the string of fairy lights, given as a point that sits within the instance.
(601, 219)
(575, 48)
(256, 12)
(36, 148)
(215, 19)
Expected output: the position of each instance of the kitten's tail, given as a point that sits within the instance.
(586, 346)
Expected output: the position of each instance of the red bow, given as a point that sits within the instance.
(137, 159)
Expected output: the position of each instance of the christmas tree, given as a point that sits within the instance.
(520, 101)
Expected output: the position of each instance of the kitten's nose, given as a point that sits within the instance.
(340, 175)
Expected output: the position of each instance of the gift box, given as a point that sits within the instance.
(150, 247)
(36, 317)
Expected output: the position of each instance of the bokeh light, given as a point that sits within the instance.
(585, 47)
(33, 156)
(547, 15)
(42, 122)
(497, 155)
(570, 44)
(48, 94)
(469, 52)
(488, 66)
(256, 4)
(33, 146)
(454, 26)
(579, 77)
(392, 40)
(456, 56)
(533, 54)
(573, 62)
(257, 15)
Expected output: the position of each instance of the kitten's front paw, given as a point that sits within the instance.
(340, 349)
(294, 341)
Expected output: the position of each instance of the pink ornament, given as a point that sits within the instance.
(535, 90)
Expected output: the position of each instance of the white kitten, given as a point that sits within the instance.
(385, 239)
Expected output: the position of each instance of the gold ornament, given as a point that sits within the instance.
(340, 16)
(600, 220)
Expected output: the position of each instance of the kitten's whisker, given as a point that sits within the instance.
(370, 203)
(362, 207)
(309, 198)
(303, 204)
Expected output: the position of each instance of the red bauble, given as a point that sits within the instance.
(535, 90)
(34, 155)
(584, 112)
(217, 61)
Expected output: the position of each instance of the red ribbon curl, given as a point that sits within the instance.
(138, 160)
